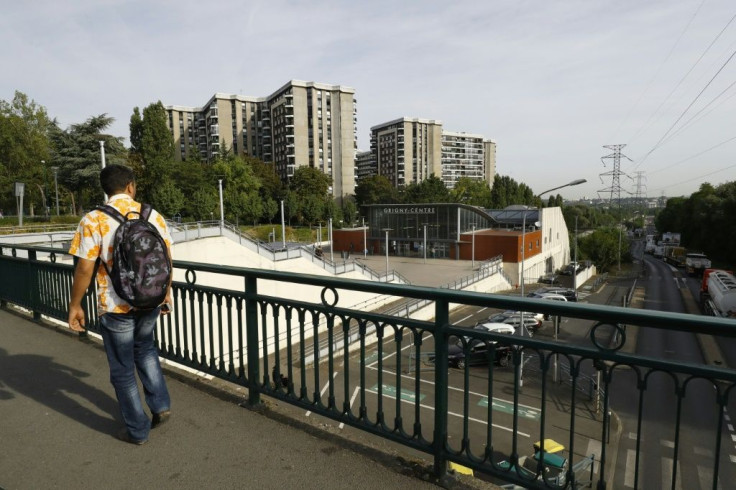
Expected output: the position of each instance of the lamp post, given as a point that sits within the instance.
(365, 240)
(283, 227)
(102, 159)
(472, 257)
(222, 207)
(56, 186)
(329, 238)
(523, 250)
(424, 245)
(387, 230)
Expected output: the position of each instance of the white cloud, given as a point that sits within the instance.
(551, 82)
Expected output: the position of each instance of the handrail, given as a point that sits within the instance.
(261, 324)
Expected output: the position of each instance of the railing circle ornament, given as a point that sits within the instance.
(334, 293)
(13, 252)
(52, 257)
(190, 276)
(611, 336)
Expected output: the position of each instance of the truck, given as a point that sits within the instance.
(674, 255)
(718, 293)
(671, 238)
(696, 263)
(650, 245)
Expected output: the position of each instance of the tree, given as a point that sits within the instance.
(376, 189)
(24, 144)
(203, 204)
(157, 150)
(240, 189)
(602, 247)
(170, 200)
(270, 209)
(431, 189)
(136, 131)
(349, 211)
(471, 191)
(271, 186)
(310, 181)
(506, 191)
(77, 154)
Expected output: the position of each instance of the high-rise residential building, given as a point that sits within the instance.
(409, 150)
(365, 165)
(300, 124)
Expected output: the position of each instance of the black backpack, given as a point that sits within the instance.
(141, 269)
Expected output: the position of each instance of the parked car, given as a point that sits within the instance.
(549, 279)
(513, 318)
(548, 296)
(530, 314)
(569, 293)
(478, 354)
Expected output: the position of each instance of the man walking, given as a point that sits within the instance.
(127, 332)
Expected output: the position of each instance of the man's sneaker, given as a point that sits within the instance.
(125, 436)
(160, 418)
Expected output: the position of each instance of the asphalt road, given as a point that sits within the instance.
(664, 402)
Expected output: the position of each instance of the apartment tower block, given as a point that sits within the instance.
(301, 124)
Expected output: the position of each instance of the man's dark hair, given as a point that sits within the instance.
(115, 178)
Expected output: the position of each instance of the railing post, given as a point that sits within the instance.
(442, 319)
(251, 328)
(34, 293)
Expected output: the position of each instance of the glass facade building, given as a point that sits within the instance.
(406, 225)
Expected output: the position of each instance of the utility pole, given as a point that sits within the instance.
(641, 190)
(615, 188)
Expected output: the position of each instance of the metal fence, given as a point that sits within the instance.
(366, 384)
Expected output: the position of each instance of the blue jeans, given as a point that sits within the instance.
(129, 345)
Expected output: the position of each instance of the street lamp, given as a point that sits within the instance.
(387, 230)
(365, 240)
(472, 257)
(56, 186)
(222, 207)
(523, 250)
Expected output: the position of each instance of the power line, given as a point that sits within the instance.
(690, 180)
(658, 144)
(656, 73)
(692, 156)
(702, 55)
(694, 116)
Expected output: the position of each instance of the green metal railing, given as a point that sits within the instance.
(255, 332)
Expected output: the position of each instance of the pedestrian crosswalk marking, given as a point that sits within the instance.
(705, 476)
(669, 444)
(594, 447)
(667, 468)
(630, 468)
(732, 458)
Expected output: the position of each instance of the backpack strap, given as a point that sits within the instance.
(145, 211)
(112, 212)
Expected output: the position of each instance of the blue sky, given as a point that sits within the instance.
(550, 82)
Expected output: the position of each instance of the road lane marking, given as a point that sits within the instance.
(669, 444)
(321, 393)
(507, 407)
(405, 394)
(452, 388)
(352, 399)
(732, 457)
(507, 429)
(462, 320)
(701, 451)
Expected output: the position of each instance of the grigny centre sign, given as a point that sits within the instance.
(412, 210)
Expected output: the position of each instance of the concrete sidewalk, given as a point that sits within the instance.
(59, 417)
